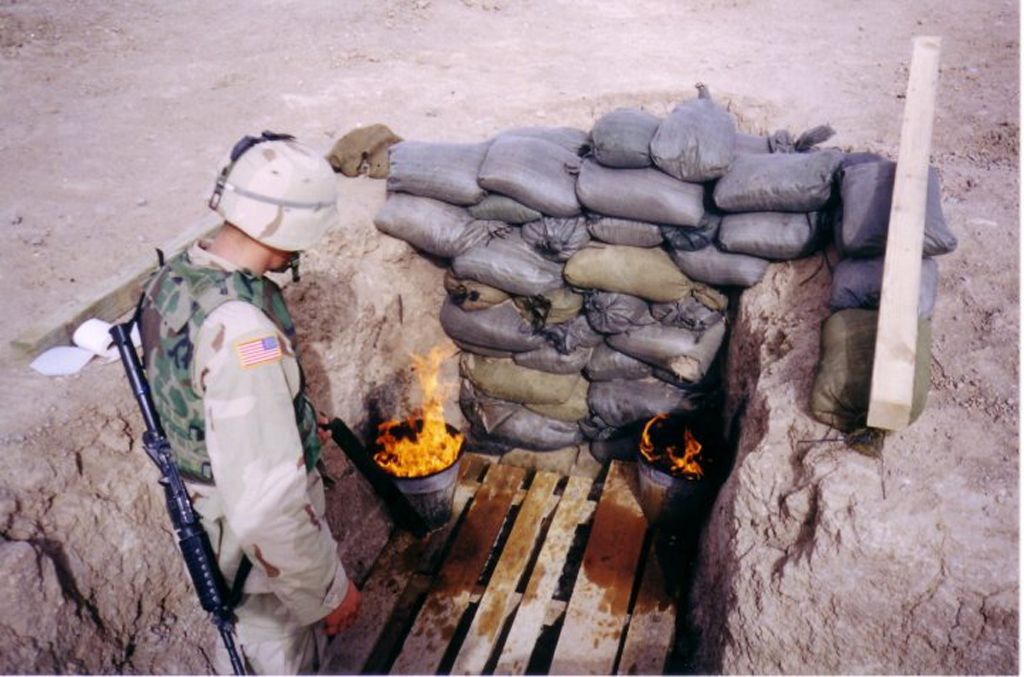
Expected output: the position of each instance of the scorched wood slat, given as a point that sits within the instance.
(572, 510)
(495, 605)
(652, 623)
(450, 594)
(597, 609)
(382, 591)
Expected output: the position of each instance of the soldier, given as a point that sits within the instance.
(220, 355)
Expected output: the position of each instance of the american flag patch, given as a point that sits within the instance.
(258, 351)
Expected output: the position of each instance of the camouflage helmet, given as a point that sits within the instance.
(277, 191)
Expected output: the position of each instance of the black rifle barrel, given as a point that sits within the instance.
(192, 539)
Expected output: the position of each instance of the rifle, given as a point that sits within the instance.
(192, 538)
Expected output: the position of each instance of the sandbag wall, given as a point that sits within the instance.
(588, 271)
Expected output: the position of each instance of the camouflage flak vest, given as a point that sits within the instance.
(177, 302)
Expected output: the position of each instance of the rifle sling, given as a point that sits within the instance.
(235, 596)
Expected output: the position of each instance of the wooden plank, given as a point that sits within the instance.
(652, 623)
(597, 610)
(892, 379)
(496, 603)
(572, 510)
(107, 300)
(450, 594)
(390, 580)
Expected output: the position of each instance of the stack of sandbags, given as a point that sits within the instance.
(584, 266)
(841, 391)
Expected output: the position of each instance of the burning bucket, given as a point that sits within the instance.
(672, 468)
(431, 495)
(421, 454)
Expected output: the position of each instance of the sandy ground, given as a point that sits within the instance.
(116, 113)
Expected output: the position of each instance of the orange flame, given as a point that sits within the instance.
(421, 444)
(669, 457)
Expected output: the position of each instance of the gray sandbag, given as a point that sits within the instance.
(611, 313)
(432, 226)
(639, 194)
(783, 142)
(443, 171)
(619, 403)
(753, 144)
(499, 328)
(779, 182)
(647, 273)
(468, 347)
(576, 141)
(572, 410)
(547, 358)
(495, 207)
(719, 268)
(470, 294)
(857, 283)
(842, 383)
(569, 336)
(515, 425)
(687, 354)
(557, 239)
(859, 158)
(625, 232)
(617, 447)
(534, 172)
(607, 364)
(697, 141)
(777, 236)
(554, 307)
(688, 313)
(593, 428)
(866, 191)
(622, 138)
(507, 262)
(692, 238)
(506, 380)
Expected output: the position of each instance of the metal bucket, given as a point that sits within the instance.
(433, 495)
(670, 502)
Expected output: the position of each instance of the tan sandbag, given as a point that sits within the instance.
(367, 145)
(647, 273)
(573, 409)
(504, 379)
(472, 295)
(710, 297)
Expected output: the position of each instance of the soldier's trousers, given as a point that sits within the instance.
(297, 654)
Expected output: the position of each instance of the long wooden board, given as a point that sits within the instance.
(451, 593)
(892, 378)
(572, 510)
(651, 625)
(496, 603)
(108, 300)
(597, 610)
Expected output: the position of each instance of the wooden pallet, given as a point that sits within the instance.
(536, 572)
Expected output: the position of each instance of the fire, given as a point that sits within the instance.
(678, 463)
(421, 444)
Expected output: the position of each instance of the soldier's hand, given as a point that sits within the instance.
(322, 432)
(345, 613)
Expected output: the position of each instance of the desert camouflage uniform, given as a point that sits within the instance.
(257, 438)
